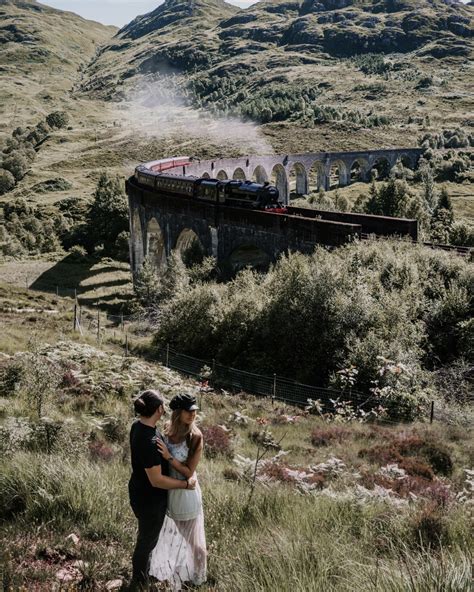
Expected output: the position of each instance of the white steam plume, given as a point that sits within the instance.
(156, 111)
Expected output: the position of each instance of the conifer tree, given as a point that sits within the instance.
(108, 214)
(373, 205)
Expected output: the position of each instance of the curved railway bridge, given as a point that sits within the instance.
(161, 221)
(299, 174)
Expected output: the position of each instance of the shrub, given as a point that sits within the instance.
(121, 247)
(40, 377)
(17, 164)
(278, 472)
(217, 442)
(425, 82)
(439, 457)
(100, 451)
(429, 529)
(264, 439)
(114, 428)
(416, 467)
(326, 436)
(7, 181)
(363, 303)
(57, 119)
(77, 253)
(462, 234)
(11, 375)
(415, 451)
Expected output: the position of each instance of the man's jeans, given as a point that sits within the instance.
(150, 520)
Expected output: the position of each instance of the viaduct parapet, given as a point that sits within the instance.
(302, 173)
(237, 237)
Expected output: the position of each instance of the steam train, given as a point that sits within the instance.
(230, 192)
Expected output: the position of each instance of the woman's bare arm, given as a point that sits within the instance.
(157, 479)
(186, 469)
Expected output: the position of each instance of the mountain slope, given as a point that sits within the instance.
(386, 69)
(178, 35)
(42, 51)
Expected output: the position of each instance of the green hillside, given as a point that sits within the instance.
(386, 69)
(42, 54)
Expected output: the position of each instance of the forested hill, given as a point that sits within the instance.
(42, 51)
(363, 63)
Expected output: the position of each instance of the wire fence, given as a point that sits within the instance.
(219, 376)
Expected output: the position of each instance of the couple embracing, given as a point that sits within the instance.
(165, 495)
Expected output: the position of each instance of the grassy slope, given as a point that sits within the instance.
(106, 281)
(337, 538)
(42, 53)
(257, 43)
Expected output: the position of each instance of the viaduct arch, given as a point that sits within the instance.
(302, 173)
(160, 223)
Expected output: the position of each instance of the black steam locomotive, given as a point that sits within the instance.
(242, 194)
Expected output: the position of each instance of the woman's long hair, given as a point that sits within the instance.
(180, 431)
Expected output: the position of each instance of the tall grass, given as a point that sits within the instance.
(277, 539)
(65, 493)
(281, 541)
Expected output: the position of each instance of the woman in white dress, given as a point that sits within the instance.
(180, 554)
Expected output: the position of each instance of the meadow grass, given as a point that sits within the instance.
(282, 540)
(268, 536)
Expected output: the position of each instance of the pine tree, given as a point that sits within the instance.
(429, 191)
(146, 284)
(108, 213)
(444, 203)
(373, 204)
(443, 218)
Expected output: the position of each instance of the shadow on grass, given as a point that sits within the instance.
(65, 277)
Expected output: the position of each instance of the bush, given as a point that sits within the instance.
(57, 119)
(17, 164)
(77, 252)
(462, 234)
(11, 375)
(7, 181)
(357, 302)
(326, 436)
(217, 442)
(429, 529)
(100, 451)
(438, 457)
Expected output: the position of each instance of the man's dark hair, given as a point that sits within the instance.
(147, 403)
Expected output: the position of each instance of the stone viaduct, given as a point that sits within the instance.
(161, 223)
(300, 174)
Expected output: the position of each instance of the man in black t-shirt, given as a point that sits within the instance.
(149, 483)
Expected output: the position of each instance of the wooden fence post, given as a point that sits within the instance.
(126, 344)
(274, 389)
(432, 412)
(98, 325)
(167, 355)
(74, 326)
